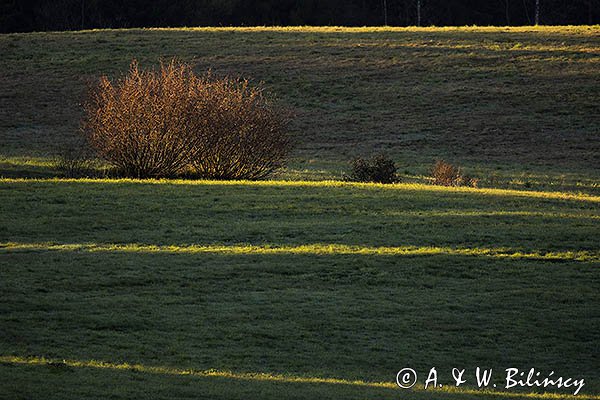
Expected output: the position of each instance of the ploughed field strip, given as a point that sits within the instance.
(308, 290)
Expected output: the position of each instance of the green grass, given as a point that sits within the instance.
(306, 287)
(516, 106)
(161, 289)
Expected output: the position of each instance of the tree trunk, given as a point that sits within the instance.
(82, 14)
(418, 12)
(385, 17)
(526, 8)
(537, 12)
(507, 11)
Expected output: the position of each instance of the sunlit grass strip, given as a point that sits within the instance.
(481, 213)
(27, 161)
(308, 249)
(266, 377)
(324, 184)
(585, 29)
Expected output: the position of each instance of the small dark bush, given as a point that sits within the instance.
(74, 162)
(154, 124)
(446, 174)
(379, 168)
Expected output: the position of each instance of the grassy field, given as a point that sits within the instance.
(306, 287)
(299, 282)
(517, 106)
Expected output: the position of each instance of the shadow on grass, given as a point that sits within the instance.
(330, 316)
(141, 381)
(12, 170)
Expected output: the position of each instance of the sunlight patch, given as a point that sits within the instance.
(308, 249)
(274, 183)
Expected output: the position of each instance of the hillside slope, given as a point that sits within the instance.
(517, 105)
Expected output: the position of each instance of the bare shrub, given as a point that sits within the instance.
(446, 174)
(143, 123)
(471, 181)
(75, 162)
(378, 168)
(244, 137)
(70, 165)
(164, 123)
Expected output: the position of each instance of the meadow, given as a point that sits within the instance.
(515, 106)
(307, 287)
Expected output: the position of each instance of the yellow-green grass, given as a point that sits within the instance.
(269, 290)
(516, 106)
(312, 249)
(299, 289)
(322, 183)
(273, 378)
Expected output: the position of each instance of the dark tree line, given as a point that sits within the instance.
(43, 15)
